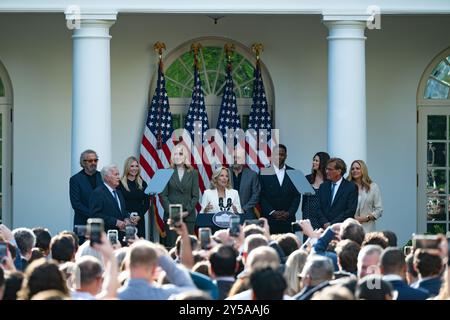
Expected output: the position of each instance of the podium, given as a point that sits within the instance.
(205, 220)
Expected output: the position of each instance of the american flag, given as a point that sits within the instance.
(156, 143)
(196, 124)
(228, 115)
(259, 119)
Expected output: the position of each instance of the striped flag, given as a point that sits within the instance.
(195, 126)
(259, 119)
(228, 116)
(156, 143)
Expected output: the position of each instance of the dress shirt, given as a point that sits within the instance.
(280, 173)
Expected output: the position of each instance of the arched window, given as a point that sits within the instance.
(433, 101)
(2, 88)
(180, 76)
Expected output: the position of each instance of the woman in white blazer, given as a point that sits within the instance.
(220, 188)
(369, 207)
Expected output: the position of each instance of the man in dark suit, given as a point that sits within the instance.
(429, 265)
(223, 266)
(279, 198)
(338, 197)
(81, 186)
(393, 267)
(107, 201)
(246, 182)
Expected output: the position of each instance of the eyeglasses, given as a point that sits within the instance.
(91, 160)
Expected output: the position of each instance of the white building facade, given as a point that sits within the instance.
(334, 83)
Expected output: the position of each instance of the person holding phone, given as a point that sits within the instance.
(369, 207)
(220, 196)
(132, 187)
(181, 189)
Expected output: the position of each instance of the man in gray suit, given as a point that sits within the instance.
(246, 182)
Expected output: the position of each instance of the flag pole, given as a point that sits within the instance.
(158, 47)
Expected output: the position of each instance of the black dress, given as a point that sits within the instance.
(136, 201)
(310, 206)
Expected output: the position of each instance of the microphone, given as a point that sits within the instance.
(221, 204)
(228, 204)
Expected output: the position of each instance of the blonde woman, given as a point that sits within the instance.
(132, 187)
(294, 266)
(369, 207)
(220, 196)
(181, 189)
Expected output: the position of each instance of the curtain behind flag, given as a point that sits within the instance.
(156, 143)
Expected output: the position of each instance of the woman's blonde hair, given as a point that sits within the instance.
(187, 159)
(294, 266)
(126, 171)
(215, 178)
(365, 179)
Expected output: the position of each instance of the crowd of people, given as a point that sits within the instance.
(335, 254)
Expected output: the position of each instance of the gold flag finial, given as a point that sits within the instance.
(159, 47)
(257, 48)
(229, 48)
(195, 48)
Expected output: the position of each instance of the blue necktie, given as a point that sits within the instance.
(333, 186)
(117, 199)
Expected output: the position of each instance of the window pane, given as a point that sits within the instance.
(436, 181)
(442, 72)
(436, 154)
(436, 228)
(244, 122)
(435, 208)
(437, 127)
(176, 121)
(211, 56)
(178, 72)
(436, 90)
(173, 89)
(188, 59)
(2, 88)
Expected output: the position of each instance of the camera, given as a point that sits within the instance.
(175, 211)
(295, 226)
(205, 237)
(3, 250)
(235, 221)
(80, 230)
(113, 236)
(255, 221)
(423, 241)
(95, 228)
(130, 232)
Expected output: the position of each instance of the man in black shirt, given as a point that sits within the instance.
(81, 186)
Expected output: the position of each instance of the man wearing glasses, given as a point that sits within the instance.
(81, 186)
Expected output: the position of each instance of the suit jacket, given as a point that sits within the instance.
(184, 192)
(224, 287)
(211, 196)
(103, 205)
(431, 285)
(344, 204)
(276, 197)
(405, 292)
(80, 192)
(249, 189)
(370, 202)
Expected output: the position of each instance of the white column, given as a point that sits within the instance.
(346, 89)
(91, 88)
